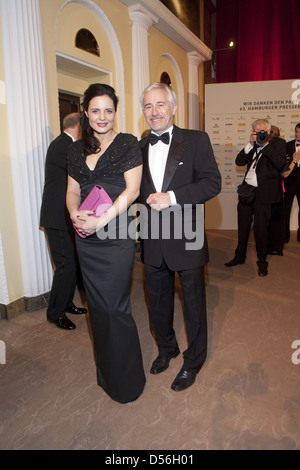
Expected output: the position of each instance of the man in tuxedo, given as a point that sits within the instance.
(264, 163)
(56, 221)
(292, 182)
(179, 175)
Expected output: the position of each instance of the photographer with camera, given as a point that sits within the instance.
(292, 181)
(260, 189)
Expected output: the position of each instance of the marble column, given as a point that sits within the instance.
(194, 59)
(141, 22)
(29, 136)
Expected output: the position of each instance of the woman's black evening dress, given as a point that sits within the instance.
(106, 266)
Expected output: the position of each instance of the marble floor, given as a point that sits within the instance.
(246, 397)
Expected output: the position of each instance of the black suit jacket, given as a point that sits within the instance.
(54, 213)
(268, 169)
(192, 173)
(294, 177)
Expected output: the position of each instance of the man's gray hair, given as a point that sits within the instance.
(171, 94)
(258, 122)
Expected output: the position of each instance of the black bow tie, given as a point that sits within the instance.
(165, 138)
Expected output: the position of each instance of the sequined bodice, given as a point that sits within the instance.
(122, 155)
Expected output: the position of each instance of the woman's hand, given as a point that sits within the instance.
(85, 222)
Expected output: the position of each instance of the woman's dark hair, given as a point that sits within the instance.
(90, 142)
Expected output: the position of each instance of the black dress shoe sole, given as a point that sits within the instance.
(158, 370)
(63, 324)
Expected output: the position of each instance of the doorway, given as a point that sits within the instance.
(67, 104)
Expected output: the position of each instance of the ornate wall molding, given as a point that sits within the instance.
(172, 27)
(119, 64)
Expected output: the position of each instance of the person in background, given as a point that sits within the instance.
(276, 232)
(55, 220)
(264, 163)
(292, 182)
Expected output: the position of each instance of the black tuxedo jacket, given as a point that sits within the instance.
(192, 173)
(269, 166)
(54, 213)
(294, 177)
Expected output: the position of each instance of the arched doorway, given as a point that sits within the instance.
(77, 68)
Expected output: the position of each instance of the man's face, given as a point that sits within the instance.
(158, 111)
(258, 128)
(297, 133)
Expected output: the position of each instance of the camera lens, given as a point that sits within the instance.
(262, 137)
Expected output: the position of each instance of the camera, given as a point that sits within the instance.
(262, 137)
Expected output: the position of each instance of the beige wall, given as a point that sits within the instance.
(59, 30)
(159, 45)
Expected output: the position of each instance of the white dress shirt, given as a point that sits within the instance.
(297, 149)
(251, 177)
(157, 157)
(70, 136)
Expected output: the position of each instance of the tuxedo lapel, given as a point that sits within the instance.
(177, 148)
(146, 169)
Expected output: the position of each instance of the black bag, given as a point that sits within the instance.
(246, 193)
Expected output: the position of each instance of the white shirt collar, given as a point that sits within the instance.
(170, 130)
(70, 136)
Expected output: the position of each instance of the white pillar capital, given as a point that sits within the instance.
(194, 58)
(141, 17)
(142, 21)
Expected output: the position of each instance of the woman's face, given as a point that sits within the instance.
(101, 114)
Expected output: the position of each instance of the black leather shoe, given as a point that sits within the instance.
(64, 323)
(162, 362)
(184, 379)
(76, 310)
(262, 271)
(275, 252)
(234, 262)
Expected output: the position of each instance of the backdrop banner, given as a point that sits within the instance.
(230, 109)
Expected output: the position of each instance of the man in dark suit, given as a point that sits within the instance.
(264, 164)
(179, 175)
(292, 182)
(56, 221)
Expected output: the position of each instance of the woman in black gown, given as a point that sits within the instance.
(112, 161)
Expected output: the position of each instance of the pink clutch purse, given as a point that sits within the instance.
(97, 200)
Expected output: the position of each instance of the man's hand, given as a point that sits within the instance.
(296, 156)
(253, 138)
(159, 201)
